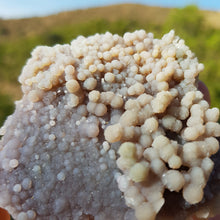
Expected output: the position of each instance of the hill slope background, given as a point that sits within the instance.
(200, 29)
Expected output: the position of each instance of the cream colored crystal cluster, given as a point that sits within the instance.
(101, 104)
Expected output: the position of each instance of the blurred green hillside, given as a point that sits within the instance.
(200, 29)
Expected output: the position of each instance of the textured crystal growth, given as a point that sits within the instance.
(106, 124)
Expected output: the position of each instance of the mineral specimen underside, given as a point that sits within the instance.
(111, 127)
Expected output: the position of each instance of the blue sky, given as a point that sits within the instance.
(30, 8)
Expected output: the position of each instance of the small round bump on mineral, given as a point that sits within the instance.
(212, 129)
(90, 84)
(145, 209)
(52, 137)
(26, 183)
(72, 86)
(173, 180)
(125, 163)
(207, 166)
(212, 114)
(36, 169)
(212, 145)
(162, 100)
(117, 102)
(139, 171)
(51, 123)
(70, 71)
(106, 146)
(61, 176)
(129, 118)
(13, 163)
(109, 77)
(160, 141)
(197, 176)
(150, 154)
(112, 154)
(192, 193)
(22, 216)
(127, 150)
(113, 133)
(73, 100)
(158, 166)
(100, 109)
(174, 162)
(17, 188)
(150, 124)
(31, 214)
(103, 166)
(35, 95)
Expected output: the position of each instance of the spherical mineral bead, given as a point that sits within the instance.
(191, 152)
(128, 150)
(197, 176)
(113, 133)
(92, 130)
(173, 180)
(117, 102)
(143, 210)
(70, 71)
(124, 163)
(171, 123)
(174, 162)
(192, 193)
(150, 154)
(158, 166)
(144, 99)
(31, 214)
(22, 216)
(211, 146)
(17, 188)
(26, 183)
(192, 133)
(136, 89)
(131, 104)
(109, 77)
(52, 137)
(166, 152)
(100, 109)
(73, 100)
(212, 114)
(145, 140)
(162, 100)
(151, 124)
(212, 129)
(188, 98)
(92, 68)
(160, 141)
(207, 166)
(139, 171)
(90, 83)
(72, 86)
(35, 95)
(61, 176)
(13, 163)
(129, 118)
(94, 96)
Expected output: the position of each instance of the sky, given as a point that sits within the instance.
(31, 8)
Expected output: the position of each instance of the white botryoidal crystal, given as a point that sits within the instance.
(101, 105)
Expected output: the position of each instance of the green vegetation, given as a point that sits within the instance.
(6, 107)
(189, 23)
